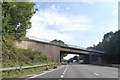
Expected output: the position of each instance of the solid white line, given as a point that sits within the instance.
(96, 74)
(43, 73)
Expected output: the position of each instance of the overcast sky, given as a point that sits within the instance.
(77, 23)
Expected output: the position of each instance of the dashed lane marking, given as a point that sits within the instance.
(96, 74)
(62, 76)
(64, 72)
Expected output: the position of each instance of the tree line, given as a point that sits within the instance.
(111, 46)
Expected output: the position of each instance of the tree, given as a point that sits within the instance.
(62, 56)
(107, 41)
(99, 46)
(16, 19)
(57, 41)
(111, 46)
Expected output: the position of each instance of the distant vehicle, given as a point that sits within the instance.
(64, 63)
(74, 61)
(81, 61)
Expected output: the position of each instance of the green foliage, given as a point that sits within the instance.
(57, 41)
(16, 19)
(111, 46)
(13, 56)
(62, 55)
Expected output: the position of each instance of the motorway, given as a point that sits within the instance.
(79, 71)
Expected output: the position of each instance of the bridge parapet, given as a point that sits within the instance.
(62, 45)
(58, 44)
(93, 50)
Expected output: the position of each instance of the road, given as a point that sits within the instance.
(79, 71)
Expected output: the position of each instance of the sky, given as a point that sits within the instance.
(76, 23)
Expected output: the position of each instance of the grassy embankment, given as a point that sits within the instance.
(13, 56)
(117, 67)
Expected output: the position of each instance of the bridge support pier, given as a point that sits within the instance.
(90, 58)
(95, 59)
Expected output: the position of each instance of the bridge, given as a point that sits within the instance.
(54, 51)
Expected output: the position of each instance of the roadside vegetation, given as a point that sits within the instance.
(117, 67)
(111, 46)
(15, 22)
(13, 56)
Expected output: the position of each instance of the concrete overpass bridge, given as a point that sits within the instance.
(54, 51)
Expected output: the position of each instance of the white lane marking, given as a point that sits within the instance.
(64, 72)
(62, 76)
(43, 73)
(96, 74)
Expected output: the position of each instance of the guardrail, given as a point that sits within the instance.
(23, 67)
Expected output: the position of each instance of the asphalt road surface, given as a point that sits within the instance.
(79, 71)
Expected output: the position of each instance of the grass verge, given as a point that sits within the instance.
(117, 67)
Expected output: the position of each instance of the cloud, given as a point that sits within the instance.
(89, 1)
(92, 1)
(51, 24)
(38, 5)
(53, 7)
(115, 12)
(113, 28)
(67, 8)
